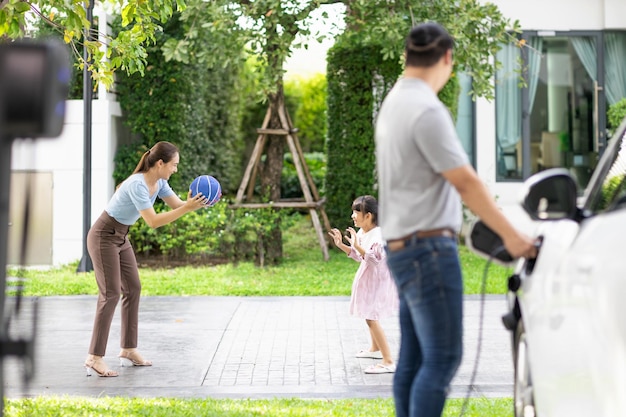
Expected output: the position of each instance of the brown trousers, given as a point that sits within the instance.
(116, 273)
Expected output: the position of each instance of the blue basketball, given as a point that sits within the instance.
(208, 186)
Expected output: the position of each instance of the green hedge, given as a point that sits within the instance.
(358, 80)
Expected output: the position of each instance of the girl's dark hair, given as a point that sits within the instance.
(163, 151)
(367, 204)
(426, 44)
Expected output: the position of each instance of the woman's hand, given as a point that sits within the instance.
(197, 202)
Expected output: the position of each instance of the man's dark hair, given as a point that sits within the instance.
(426, 44)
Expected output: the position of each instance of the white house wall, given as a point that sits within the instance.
(615, 14)
(564, 14)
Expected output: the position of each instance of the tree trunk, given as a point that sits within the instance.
(271, 250)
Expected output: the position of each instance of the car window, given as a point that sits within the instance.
(609, 191)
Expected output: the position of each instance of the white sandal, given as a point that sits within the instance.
(379, 368)
(369, 354)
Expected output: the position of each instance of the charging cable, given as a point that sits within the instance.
(483, 291)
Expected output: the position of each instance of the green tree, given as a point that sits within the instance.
(479, 30)
(268, 29)
(141, 21)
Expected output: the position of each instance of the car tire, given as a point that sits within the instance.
(524, 399)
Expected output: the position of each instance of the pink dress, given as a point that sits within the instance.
(374, 293)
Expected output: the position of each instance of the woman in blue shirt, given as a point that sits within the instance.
(112, 255)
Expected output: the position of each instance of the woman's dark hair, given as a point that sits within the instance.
(163, 151)
(367, 204)
(426, 44)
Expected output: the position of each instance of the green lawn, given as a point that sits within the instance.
(171, 407)
(303, 272)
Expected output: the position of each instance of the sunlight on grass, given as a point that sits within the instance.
(171, 407)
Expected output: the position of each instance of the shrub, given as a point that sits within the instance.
(616, 114)
(215, 233)
(610, 188)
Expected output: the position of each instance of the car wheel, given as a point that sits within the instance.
(523, 390)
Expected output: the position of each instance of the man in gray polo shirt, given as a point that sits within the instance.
(423, 174)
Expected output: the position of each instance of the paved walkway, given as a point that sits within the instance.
(241, 347)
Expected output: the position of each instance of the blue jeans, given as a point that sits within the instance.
(428, 276)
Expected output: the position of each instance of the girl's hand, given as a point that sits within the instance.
(336, 235)
(351, 235)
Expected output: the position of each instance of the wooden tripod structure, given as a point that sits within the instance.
(311, 198)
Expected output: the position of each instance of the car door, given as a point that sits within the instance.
(578, 342)
(552, 317)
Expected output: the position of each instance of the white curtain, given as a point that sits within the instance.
(508, 105)
(586, 50)
(615, 66)
(534, 66)
(508, 98)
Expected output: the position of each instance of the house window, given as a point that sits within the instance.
(556, 117)
(563, 118)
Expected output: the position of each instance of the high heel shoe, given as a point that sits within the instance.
(99, 367)
(132, 358)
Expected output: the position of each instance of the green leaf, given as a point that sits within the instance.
(169, 49)
(129, 13)
(22, 7)
(15, 30)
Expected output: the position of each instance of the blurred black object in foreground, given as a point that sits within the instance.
(34, 82)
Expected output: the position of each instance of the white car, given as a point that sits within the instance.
(568, 307)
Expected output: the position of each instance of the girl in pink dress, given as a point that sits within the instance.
(374, 294)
